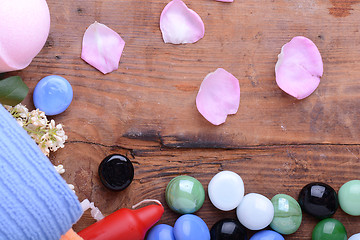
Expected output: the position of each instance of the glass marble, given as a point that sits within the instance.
(191, 227)
(255, 211)
(329, 229)
(288, 214)
(52, 95)
(184, 194)
(161, 232)
(349, 197)
(267, 235)
(116, 172)
(355, 237)
(226, 190)
(319, 200)
(228, 229)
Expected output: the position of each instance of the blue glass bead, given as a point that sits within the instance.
(191, 227)
(53, 95)
(161, 232)
(267, 235)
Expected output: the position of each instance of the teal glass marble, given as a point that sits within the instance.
(349, 197)
(329, 229)
(288, 215)
(184, 194)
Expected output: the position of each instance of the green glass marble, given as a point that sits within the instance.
(288, 215)
(184, 194)
(329, 229)
(349, 197)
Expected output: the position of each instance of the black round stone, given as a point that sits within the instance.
(319, 200)
(228, 229)
(116, 172)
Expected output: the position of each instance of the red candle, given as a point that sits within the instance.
(124, 224)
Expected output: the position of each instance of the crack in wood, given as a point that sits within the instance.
(217, 147)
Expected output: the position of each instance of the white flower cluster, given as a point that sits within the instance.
(47, 135)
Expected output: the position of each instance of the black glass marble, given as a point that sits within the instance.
(319, 200)
(116, 172)
(228, 229)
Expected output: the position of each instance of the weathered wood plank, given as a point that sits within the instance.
(267, 170)
(155, 87)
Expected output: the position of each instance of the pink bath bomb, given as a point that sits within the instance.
(24, 28)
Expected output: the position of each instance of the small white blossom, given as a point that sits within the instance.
(38, 118)
(60, 169)
(52, 124)
(72, 187)
(22, 111)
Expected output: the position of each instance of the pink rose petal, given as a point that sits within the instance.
(225, 0)
(299, 67)
(218, 96)
(179, 24)
(102, 47)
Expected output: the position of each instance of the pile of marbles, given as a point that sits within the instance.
(186, 195)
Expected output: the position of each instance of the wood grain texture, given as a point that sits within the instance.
(146, 109)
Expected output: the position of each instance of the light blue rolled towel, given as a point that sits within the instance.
(35, 201)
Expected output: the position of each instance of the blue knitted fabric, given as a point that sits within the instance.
(35, 202)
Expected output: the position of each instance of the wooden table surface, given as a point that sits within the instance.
(146, 109)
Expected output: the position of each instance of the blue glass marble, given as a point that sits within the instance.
(191, 227)
(161, 232)
(267, 235)
(52, 95)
